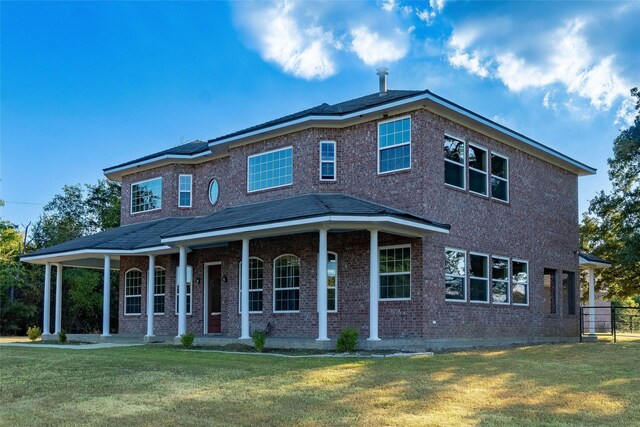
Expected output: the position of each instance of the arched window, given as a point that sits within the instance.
(159, 290)
(255, 285)
(133, 291)
(286, 283)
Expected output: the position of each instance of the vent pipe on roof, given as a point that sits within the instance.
(383, 73)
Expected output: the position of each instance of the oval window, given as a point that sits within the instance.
(213, 191)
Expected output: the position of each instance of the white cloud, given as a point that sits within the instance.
(372, 48)
(547, 102)
(389, 5)
(428, 14)
(626, 114)
(470, 62)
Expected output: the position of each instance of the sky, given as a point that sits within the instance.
(88, 85)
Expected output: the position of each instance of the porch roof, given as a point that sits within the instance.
(591, 260)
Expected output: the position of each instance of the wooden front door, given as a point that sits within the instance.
(215, 299)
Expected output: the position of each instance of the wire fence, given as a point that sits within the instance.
(610, 321)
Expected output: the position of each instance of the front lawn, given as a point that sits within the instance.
(573, 384)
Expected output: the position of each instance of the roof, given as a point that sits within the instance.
(188, 149)
(590, 259)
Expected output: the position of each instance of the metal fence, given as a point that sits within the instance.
(609, 321)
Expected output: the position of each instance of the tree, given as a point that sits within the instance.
(611, 228)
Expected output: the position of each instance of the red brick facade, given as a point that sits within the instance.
(539, 224)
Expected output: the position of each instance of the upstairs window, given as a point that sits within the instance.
(394, 145)
(184, 191)
(499, 177)
(269, 170)
(478, 170)
(146, 195)
(454, 162)
(327, 161)
(455, 275)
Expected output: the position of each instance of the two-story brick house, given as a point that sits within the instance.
(399, 213)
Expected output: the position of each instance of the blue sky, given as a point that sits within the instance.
(87, 85)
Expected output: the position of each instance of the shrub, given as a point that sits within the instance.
(259, 338)
(347, 340)
(187, 339)
(34, 332)
(62, 336)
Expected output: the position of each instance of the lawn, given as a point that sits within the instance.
(572, 384)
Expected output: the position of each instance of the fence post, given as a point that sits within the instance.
(581, 325)
(615, 333)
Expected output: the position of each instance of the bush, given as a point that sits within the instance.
(259, 338)
(62, 336)
(348, 340)
(187, 339)
(34, 332)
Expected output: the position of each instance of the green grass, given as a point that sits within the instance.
(573, 384)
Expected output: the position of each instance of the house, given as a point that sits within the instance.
(399, 213)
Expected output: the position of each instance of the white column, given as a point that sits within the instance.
(592, 300)
(58, 322)
(182, 286)
(322, 287)
(245, 291)
(106, 297)
(46, 310)
(374, 286)
(151, 283)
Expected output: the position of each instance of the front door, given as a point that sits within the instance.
(215, 299)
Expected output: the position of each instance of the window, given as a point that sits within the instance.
(146, 195)
(520, 282)
(395, 272)
(454, 162)
(549, 291)
(271, 169)
(184, 191)
(394, 145)
(327, 161)
(255, 285)
(499, 177)
(478, 165)
(455, 275)
(569, 292)
(332, 282)
(133, 292)
(214, 191)
(189, 281)
(159, 290)
(479, 277)
(286, 283)
(500, 283)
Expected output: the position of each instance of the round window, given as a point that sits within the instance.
(213, 191)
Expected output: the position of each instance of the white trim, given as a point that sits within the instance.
(155, 277)
(488, 278)
(463, 164)
(586, 263)
(250, 290)
(156, 159)
(334, 161)
(501, 280)
(336, 282)
(99, 252)
(491, 153)
(189, 288)
(485, 172)
(185, 191)
(209, 191)
(528, 281)
(274, 289)
(464, 278)
(132, 296)
(205, 292)
(380, 274)
(396, 119)
(131, 212)
(262, 154)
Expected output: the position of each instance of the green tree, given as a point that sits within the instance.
(611, 228)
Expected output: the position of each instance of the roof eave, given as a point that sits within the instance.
(116, 173)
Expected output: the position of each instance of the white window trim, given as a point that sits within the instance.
(500, 178)
(394, 146)
(273, 278)
(159, 295)
(131, 196)
(133, 296)
(528, 281)
(267, 152)
(486, 173)
(501, 280)
(250, 290)
(336, 287)
(464, 164)
(185, 191)
(334, 161)
(466, 271)
(209, 191)
(488, 278)
(190, 305)
(380, 248)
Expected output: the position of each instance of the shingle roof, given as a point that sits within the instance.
(592, 258)
(291, 208)
(190, 148)
(126, 237)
